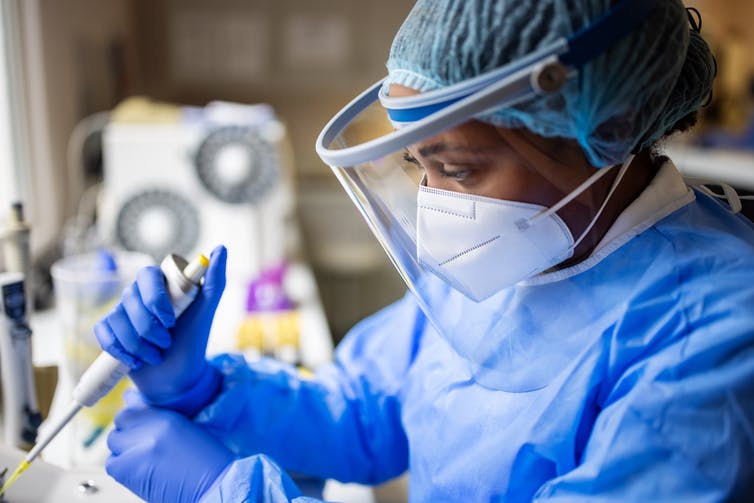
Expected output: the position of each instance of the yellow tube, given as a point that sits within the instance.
(19, 470)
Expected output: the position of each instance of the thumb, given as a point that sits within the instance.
(134, 399)
(208, 297)
(214, 278)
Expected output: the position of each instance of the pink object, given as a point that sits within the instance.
(266, 292)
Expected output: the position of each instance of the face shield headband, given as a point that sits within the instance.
(365, 151)
(540, 73)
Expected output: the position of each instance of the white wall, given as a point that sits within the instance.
(66, 51)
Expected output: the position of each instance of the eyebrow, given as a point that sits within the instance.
(440, 147)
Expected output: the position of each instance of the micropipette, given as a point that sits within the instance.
(16, 254)
(21, 415)
(182, 280)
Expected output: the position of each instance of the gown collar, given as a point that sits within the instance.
(666, 193)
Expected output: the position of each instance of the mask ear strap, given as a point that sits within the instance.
(581, 188)
(617, 180)
(729, 193)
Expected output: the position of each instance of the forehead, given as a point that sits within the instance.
(470, 136)
(397, 90)
(480, 136)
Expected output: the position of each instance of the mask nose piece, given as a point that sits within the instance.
(523, 224)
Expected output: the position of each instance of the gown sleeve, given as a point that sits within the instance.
(678, 423)
(255, 478)
(343, 423)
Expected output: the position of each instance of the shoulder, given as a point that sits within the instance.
(682, 355)
(712, 260)
(399, 320)
(706, 227)
(385, 343)
(687, 287)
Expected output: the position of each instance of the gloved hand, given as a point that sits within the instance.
(162, 456)
(167, 356)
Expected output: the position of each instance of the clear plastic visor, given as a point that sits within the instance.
(501, 353)
(384, 191)
(517, 337)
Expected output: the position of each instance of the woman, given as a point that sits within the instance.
(579, 323)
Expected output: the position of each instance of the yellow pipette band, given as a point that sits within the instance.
(21, 469)
(203, 260)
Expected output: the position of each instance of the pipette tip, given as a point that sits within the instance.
(17, 473)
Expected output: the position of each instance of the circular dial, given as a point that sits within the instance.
(158, 222)
(236, 165)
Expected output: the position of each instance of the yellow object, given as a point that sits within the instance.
(140, 110)
(305, 373)
(93, 420)
(274, 334)
(288, 329)
(250, 335)
(204, 261)
(267, 331)
(103, 412)
(21, 469)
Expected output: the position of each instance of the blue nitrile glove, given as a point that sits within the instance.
(167, 357)
(161, 455)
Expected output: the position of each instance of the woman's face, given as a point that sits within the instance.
(512, 164)
(517, 165)
(476, 158)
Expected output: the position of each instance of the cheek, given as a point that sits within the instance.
(508, 181)
(515, 182)
(438, 181)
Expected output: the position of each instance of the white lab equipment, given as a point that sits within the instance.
(21, 416)
(185, 179)
(86, 287)
(182, 280)
(47, 483)
(16, 251)
(200, 177)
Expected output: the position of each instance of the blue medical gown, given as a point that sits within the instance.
(657, 404)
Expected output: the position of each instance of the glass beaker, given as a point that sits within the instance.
(86, 288)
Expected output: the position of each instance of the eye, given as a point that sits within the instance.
(459, 175)
(410, 158)
(453, 171)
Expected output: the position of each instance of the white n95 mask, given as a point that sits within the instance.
(480, 245)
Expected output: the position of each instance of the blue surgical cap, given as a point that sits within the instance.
(621, 102)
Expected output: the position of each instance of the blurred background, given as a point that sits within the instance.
(304, 58)
(69, 60)
(120, 119)
(143, 127)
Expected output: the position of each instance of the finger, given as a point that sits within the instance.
(214, 279)
(128, 468)
(119, 441)
(108, 342)
(113, 465)
(116, 467)
(145, 324)
(151, 284)
(139, 348)
(134, 399)
(132, 431)
(131, 417)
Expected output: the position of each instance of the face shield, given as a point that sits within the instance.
(459, 253)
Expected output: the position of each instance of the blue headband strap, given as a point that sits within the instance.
(591, 41)
(582, 47)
